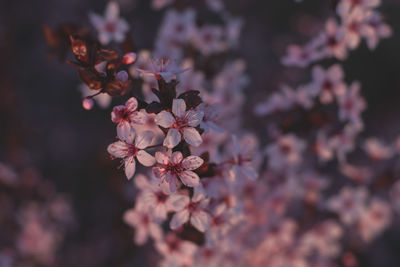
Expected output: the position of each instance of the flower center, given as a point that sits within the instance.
(161, 197)
(192, 206)
(174, 169)
(180, 123)
(132, 150)
(110, 27)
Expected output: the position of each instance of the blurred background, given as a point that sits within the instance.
(42, 122)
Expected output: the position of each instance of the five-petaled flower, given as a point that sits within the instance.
(191, 209)
(127, 148)
(170, 168)
(180, 122)
(111, 27)
(126, 115)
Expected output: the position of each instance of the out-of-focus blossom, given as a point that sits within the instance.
(110, 27)
(190, 209)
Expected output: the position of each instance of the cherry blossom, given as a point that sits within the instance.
(328, 83)
(127, 115)
(111, 27)
(190, 209)
(180, 122)
(131, 146)
(349, 204)
(144, 224)
(170, 168)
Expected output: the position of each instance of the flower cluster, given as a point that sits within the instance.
(34, 218)
(215, 194)
(358, 20)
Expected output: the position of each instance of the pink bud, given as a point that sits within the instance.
(128, 58)
(122, 76)
(88, 103)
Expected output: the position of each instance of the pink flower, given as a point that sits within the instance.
(152, 198)
(351, 104)
(349, 204)
(162, 69)
(242, 163)
(286, 152)
(334, 41)
(379, 31)
(328, 83)
(180, 122)
(144, 224)
(193, 210)
(127, 148)
(170, 168)
(375, 219)
(377, 150)
(111, 27)
(126, 115)
(208, 39)
(345, 6)
(176, 248)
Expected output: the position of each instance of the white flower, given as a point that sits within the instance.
(127, 148)
(180, 122)
(111, 27)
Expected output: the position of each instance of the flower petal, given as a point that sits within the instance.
(189, 178)
(130, 167)
(162, 158)
(200, 220)
(192, 136)
(178, 219)
(145, 158)
(194, 117)
(118, 149)
(192, 162)
(179, 107)
(138, 117)
(176, 157)
(125, 132)
(112, 11)
(178, 202)
(131, 104)
(164, 119)
(172, 139)
(144, 139)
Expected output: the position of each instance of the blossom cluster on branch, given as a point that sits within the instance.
(209, 193)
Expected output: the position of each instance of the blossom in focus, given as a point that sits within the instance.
(127, 115)
(170, 168)
(110, 27)
(180, 123)
(130, 147)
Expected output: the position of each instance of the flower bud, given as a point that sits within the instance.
(122, 76)
(128, 58)
(88, 103)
